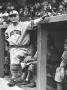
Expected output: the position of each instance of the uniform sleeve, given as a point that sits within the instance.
(33, 23)
(37, 21)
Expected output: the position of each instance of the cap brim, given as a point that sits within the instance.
(11, 15)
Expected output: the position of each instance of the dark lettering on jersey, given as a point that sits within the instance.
(15, 32)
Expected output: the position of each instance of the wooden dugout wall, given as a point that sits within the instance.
(57, 26)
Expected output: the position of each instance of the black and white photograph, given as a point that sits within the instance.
(33, 44)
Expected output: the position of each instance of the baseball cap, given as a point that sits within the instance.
(13, 13)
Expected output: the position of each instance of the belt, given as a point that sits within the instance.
(19, 46)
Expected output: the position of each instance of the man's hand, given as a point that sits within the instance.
(23, 65)
(45, 15)
(27, 59)
(44, 18)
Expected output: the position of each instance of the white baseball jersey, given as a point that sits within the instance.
(18, 35)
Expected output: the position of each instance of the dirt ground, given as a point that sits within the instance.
(51, 85)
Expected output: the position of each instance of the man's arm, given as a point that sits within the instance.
(35, 22)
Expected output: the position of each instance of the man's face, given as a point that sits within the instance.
(54, 1)
(14, 18)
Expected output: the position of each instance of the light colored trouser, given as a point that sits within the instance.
(15, 70)
(15, 54)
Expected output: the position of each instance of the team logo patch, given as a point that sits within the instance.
(15, 32)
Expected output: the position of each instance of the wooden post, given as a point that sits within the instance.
(42, 56)
(1, 53)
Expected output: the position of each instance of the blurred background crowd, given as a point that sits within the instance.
(32, 8)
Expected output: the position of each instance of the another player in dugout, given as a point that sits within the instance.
(31, 70)
(19, 40)
(61, 71)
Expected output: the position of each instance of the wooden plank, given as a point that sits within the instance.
(57, 18)
(2, 49)
(42, 57)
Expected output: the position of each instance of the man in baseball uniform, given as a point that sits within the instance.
(19, 40)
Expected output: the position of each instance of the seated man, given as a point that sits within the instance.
(29, 70)
(61, 70)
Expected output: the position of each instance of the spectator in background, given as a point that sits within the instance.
(54, 5)
(5, 16)
(65, 5)
(21, 11)
(61, 9)
(26, 11)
